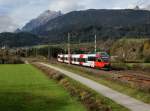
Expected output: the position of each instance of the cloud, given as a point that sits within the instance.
(147, 7)
(21, 11)
(65, 5)
(6, 24)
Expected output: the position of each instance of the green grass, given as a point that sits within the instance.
(24, 88)
(141, 64)
(144, 67)
(123, 88)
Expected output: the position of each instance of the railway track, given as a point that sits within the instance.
(131, 77)
(136, 78)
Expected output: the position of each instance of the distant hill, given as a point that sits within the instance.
(18, 39)
(41, 20)
(53, 27)
(106, 23)
(129, 50)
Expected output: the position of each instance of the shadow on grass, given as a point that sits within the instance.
(23, 101)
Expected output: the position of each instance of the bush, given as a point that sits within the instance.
(57, 76)
(147, 59)
(120, 66)
(11, 60)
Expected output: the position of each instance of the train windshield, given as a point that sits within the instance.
(105, 59)
(104, 56)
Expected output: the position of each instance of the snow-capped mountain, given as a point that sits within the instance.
(41, 20)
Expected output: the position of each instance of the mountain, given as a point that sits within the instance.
(82, 25)
(137, 8)
(107, 24)
(41, 20)
(17, 30)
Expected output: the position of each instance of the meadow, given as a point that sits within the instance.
(24, 88)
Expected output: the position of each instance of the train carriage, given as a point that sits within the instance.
(99, 60)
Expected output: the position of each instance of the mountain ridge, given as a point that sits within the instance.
(42, 19)
(107, 23)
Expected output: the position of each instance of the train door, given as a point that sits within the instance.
(91, 61)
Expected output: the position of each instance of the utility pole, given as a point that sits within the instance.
(48, 52)
(26, 52)
(69, 51)
(79, 43)
(95, 43)
(35, 52)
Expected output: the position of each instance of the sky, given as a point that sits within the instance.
(16, 13)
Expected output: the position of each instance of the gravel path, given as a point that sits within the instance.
(124, 100)
(26, 62)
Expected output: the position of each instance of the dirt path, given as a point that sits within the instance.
(124, 100)
(26, 62)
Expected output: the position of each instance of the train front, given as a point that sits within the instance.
(103, 61)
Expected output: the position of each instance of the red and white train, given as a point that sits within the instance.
(100, 60)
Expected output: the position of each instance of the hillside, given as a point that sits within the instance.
(131, 50)
(18, 39)
(106, 23)
(109, 25)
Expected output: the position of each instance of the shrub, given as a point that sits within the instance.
(57, 76)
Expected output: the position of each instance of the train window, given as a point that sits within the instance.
(91, 59)
(61, 58)
(73, 59)
(77, 59)
(104, 54)
(82, 60)
(105, 59)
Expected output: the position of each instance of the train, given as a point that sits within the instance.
(100, 60)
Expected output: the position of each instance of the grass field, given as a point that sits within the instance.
(24, 88)
(145, 67)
